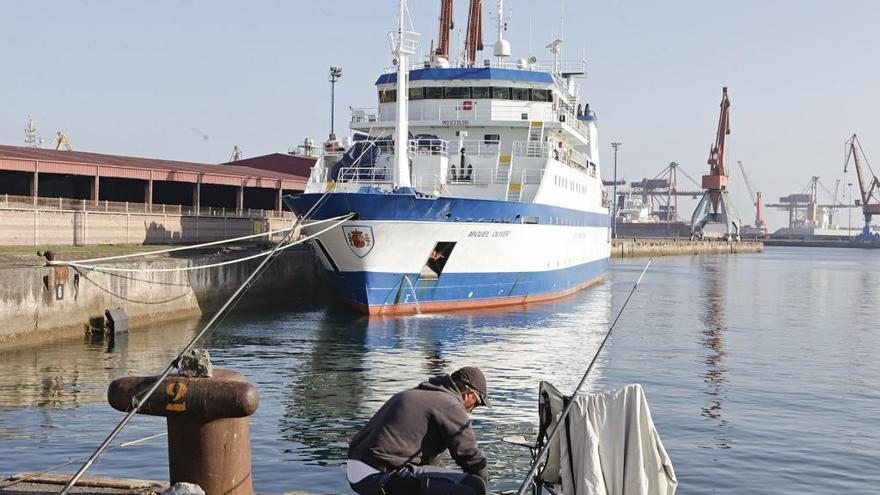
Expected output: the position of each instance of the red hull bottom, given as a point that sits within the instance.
(441, 306)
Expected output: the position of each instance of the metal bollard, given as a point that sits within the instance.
(209, 441)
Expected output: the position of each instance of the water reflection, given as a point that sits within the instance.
(714, 326)
(326, 392)
(76, 371)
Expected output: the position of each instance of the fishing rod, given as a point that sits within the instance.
(30, 476)
(138, 401)
(537, 460)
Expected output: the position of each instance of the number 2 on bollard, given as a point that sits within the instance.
(176, 390)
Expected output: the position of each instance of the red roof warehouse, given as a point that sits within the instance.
(256, 183)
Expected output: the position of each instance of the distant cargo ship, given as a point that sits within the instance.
(474, 184)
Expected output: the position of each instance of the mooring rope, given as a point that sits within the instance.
(220, 314)
(185, 248)
(341, 219)
(565, 411)
(30, 476)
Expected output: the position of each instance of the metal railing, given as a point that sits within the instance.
(9, 201)
(570, 66)
(429, 146)
(364, 115)
(531, 149)
(479, 147)
(506, 110)
(478, 176)
(364, 175)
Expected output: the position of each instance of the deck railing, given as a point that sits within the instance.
(479, 176)
(364, 175)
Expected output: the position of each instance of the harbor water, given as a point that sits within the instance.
(761, 371)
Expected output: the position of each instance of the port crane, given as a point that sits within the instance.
(715, 205)
(757, 202)
(869, 187)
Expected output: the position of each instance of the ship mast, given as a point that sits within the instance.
(403, 48)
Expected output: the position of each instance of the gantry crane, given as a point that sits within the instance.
(869, 187)
(757, 202)
(715, 206)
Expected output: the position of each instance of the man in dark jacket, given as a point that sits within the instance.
(398, 451)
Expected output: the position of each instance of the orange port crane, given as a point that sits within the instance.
(869, 187)
(447, 24)
(715, 206)
(757, 202)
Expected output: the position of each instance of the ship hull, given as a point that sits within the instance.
(380, 261)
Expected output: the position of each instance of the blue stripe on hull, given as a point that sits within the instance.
(407, 207)
(370, 289)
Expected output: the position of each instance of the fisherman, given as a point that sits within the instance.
(398, 451)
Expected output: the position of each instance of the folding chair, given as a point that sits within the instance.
(551, 402)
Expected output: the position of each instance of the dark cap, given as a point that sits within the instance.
(473, 378)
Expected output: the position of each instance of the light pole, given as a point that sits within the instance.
(614, 145)
(335, 74)
(849, 211)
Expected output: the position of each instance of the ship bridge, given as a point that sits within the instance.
(460, 98)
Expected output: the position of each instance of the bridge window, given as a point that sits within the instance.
(501, 93)
(434, 93)
(416, 93)
(541, 95)
(481, 92)
(520, 94)
(458, 93)
(387, 96)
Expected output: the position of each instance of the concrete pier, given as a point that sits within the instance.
(633, 248)
(89, 485)
(39, 302)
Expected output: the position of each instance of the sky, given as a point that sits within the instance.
(188, 80)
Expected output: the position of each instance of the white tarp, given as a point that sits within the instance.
(616, 448)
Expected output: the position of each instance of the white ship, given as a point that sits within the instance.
(474, 183)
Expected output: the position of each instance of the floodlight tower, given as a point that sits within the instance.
(335, 74)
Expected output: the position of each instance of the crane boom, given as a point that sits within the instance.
(474, 39)
(447, 24)
(757, 201)
(748, 184)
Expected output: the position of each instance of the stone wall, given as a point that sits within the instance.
(37, 227)
(628, 248)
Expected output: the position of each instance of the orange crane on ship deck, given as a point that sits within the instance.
(447, 24)
(474, 40)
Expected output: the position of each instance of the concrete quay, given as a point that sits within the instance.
(45, 484)
(635, 248)
(39, 302)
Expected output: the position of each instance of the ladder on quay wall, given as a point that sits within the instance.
(535, 143)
